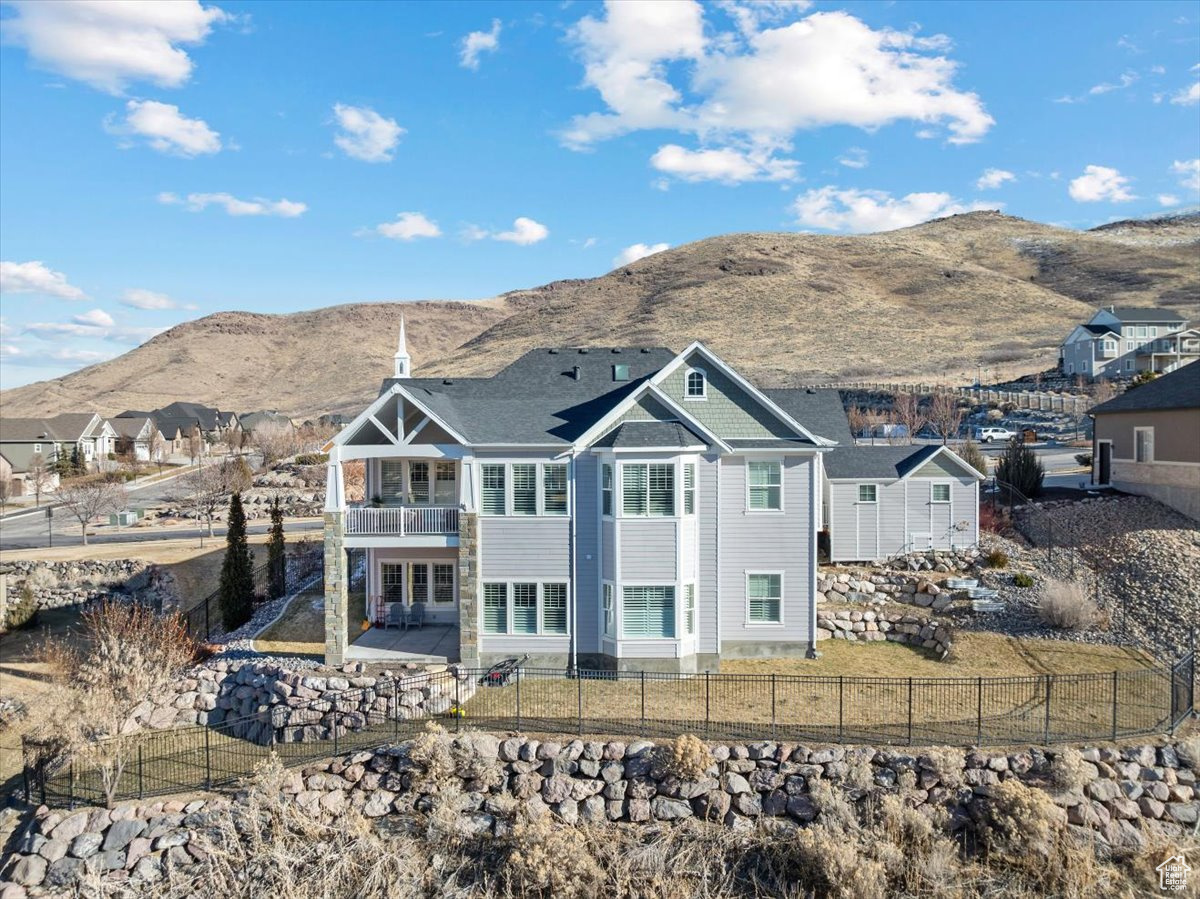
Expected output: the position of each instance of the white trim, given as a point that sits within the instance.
(343, 436)
(859, 501)
(703, 394)
(949, 500)
(601, 427)
(698, 347)
(408, 438)
(746, 574)
(752, 511)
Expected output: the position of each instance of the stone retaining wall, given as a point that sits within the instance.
(858, 585)
(1124, 797)
(897, 626)
(266, 703)
(59, 584)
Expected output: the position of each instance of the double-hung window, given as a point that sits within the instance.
(445, 484)
(764, 598)
(648, 612)
(443, 582)
(689, 609)
(633, 489)
(867, 493)
(606, 489)
(391, 477)
(524, 489)
(492, 481)
(524, 608)
(1143, 444)
(418, 482)
(648, 489)
(554, 488)
(939, 493)
(610, 619)
(689, 488)
(420, 581)
(393, 582)
(766, 486)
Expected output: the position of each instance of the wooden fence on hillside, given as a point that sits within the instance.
(1036, 400)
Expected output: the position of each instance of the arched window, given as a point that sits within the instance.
(697, 385)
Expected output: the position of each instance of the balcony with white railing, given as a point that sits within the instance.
(402, 521)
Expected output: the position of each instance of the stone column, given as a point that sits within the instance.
(337, 577)
(468, 589)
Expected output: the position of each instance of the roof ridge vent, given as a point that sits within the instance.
(553, 351)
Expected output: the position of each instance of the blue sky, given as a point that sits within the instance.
(163, 161)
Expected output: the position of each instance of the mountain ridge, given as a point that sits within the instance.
(934, 302)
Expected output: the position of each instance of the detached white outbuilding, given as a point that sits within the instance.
(883, 501)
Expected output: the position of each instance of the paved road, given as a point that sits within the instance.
(66, 533)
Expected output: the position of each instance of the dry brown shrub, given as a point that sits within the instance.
(688, 758)
(430, 752)
(1064, 605)
(548, 860)
(834, 866)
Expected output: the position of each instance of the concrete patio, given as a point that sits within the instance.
(431, 643)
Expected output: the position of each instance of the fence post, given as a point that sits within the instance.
(910, 710)
(71, 785)
(207, 627)
(579, 695)
(518, 697)
(334, 725)
(841, 708)
(42, 775)
(772, 706)
(141, 785)
(458, 712)
(394, 704)
(1049, 681)
(643, 697)
(978, 710)
(706, 704)
(1114, 705)
(207, 762)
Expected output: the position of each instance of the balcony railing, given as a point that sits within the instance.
(402, 521)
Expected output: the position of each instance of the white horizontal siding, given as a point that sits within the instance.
(648, 550)
(533, 548)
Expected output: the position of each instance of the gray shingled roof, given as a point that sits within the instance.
(820, 411)
(129, 427)
(1146, 314)
(536, 399)
(1178, 390)
(651, 434)
(876, 462)
(1100, 329)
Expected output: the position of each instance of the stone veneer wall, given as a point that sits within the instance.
(468, 589)
(337, 576)
(1123, 797)
(898, 626)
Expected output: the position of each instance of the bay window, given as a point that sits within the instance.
(648, 489)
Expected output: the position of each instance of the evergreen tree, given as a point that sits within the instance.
(237, 571)
(972, 455)
(77, 466)
(276, 558)
(1020, 467)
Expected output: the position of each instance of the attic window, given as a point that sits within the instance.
(620, 372)
(696, 385)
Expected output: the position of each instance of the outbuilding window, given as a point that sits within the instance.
(939, 493)
(867, 493)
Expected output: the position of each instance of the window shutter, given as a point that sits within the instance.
(495, 608)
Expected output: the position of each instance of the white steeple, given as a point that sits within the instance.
(403, 362)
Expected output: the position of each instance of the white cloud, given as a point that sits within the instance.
(751, 15)
(1188, 96)
(166, 130)
(1168, 200)
(109, 45)
(94, 318)
(365, 134)
(638, 251)
(9, 350)
(860, 211)
(1189, 172)
(726, 165)
(1098, 183)
(137, 298)
(757, 87)
(993, 178)
(232, 205)
(589, 243)
(525, 231)
(35, 277)
(409, 226)
(855, 158)
(1128, 79)
(478, 42)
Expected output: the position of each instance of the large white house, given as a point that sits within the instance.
(616, 507)
(1120, 341)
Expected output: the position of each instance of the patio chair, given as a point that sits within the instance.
(395, 616)
(416, 615)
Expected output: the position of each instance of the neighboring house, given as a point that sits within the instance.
(1120, 341)
(1147, 440)
(884, 501)
(176, 432)
(251, 420)
(135, 435)
(53, 438)
(215, 425)
(627, 508)
(335, 420)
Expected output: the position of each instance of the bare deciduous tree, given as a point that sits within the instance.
(946, 415)
(1102, 391)
(195, 443)
(858, 417)
(128, 653)
(85, 498)
(157, 446)
(6, 492)
(906, 410)
(41, 475)
(208, 488)
(276, 441)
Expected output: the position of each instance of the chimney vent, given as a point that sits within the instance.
(583, 351)
(616, 349)
(576, 372)
(553, 352)
(646, 349)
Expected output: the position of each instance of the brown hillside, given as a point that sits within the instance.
(928, 302)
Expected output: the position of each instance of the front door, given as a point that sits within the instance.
(1104, 463)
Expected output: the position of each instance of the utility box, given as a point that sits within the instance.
(123, 518)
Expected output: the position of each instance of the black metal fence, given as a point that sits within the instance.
(1065, 708)
(203, 620)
